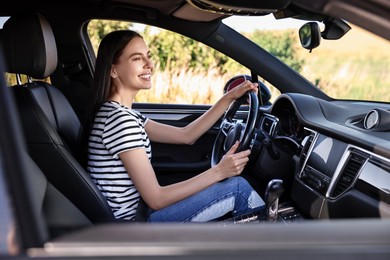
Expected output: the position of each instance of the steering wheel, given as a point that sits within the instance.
(230, 131)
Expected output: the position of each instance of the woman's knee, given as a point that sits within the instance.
(237, 183)
(253, 198)
(241, 184)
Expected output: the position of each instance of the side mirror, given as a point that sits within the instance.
(238, 79)
(265, 94)
(310, 35)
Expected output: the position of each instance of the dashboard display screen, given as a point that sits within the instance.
(326, 155)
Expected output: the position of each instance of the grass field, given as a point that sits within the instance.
(355, 67)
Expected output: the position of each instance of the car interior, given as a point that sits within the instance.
(341, 169)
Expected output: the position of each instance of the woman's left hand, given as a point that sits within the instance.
(241, 89)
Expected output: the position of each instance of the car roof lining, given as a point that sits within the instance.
(301, 9)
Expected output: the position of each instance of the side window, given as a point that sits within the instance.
(186, 71)
(9, 78)
(12, 79)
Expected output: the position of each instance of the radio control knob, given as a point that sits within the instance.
(319, 185)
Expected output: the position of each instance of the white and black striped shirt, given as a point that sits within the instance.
(116, 129)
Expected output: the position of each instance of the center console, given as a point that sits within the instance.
(336, 180)
(320, 158)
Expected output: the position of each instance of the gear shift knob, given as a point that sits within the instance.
(272, 193)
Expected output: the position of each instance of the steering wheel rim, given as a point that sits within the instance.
(230, 131)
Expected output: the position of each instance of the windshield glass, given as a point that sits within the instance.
(354, 67)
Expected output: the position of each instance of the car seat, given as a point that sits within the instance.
(51, 128)
(39, 212)
(57, 214)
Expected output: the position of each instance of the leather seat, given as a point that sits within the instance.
(54, 212)
(51, 128)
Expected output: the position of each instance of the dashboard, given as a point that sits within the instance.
(338, 154)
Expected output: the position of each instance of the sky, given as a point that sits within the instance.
(250, 23)
(2, 21)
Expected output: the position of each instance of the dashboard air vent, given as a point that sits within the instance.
(306, 149)
(347, 176)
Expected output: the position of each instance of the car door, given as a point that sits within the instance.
(172, 162)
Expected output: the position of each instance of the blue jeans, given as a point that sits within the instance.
(231, 195)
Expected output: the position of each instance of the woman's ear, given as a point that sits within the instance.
(113, 73)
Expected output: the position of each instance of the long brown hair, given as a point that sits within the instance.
(110, 49)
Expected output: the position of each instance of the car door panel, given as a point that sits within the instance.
(173, 162)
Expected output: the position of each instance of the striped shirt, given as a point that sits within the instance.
(116, 129)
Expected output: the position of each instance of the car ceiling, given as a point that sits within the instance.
(373, 15)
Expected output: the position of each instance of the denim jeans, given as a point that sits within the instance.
(233, 195)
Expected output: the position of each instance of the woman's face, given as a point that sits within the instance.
(134, 67)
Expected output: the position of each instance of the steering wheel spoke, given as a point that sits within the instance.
(226, 126)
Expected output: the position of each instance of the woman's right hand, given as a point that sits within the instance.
(232, 163)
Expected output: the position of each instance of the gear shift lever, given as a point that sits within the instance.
(272, 193)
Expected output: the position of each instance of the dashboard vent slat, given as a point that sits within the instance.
(305, 149)
(347, 176)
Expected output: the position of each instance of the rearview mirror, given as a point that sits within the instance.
(310, 35)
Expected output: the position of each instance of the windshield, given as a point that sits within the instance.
(354, 67)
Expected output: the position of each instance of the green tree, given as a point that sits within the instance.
(173, 50)
(281, 44)
(97, 29)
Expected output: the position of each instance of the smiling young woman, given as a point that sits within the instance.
(119, 149)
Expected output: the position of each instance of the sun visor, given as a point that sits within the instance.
(192, 13)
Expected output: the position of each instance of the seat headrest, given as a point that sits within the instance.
(29, 46)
